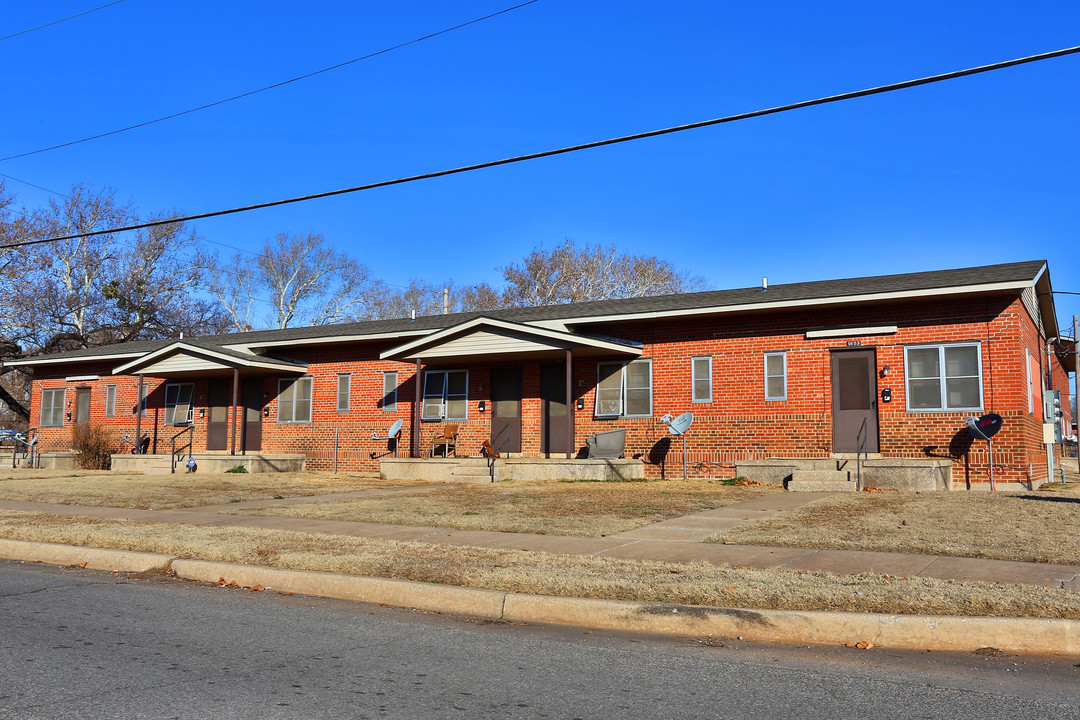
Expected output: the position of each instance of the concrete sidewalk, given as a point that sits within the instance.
(676, 540)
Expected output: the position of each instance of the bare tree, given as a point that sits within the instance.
(383, 301)
(303, 281)
(567, 274)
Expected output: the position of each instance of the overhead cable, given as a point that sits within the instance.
(575, 148)
(69, 17)
(269, 87)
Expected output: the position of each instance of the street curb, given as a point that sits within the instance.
(1024, 636)
(95, 558)
(383, 591)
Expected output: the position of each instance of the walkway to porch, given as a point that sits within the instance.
(484, 470)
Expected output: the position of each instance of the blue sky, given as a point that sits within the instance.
(973, 171)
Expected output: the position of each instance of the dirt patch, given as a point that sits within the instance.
(587, 509)
(163, 492)
(550, 574)
(1031, 527)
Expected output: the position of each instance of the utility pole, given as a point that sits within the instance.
(446, 301)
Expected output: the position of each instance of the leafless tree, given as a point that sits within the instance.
(303, 281)
(383, 301)
(94, 290)
(568, 273)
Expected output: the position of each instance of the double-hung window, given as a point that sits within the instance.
(446, 395)
(389, 391)
(294, 400)
(701, 379)
(343, 384)
(110, 400)
(52, 408)
(944, 377)
(178, 409)
(776, 376)
(624, 389)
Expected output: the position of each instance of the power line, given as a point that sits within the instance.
(584, 146)
(55, 22)
(270, 87)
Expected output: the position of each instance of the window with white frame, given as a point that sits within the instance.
(943, 377)
(624, 389)
(776, 376)
(446, 395)
(701, 379)
(344, 382)
(52, 408)
(294, 400)
(178, 409)
(144, 392)
(389, 391)
(110, 400)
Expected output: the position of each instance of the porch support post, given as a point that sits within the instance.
(235, 397)
(138, 417)
(569, 403)
(414, 446)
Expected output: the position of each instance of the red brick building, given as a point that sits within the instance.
(893, 363)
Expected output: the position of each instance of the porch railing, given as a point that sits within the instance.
(190, 432)
(861, 443)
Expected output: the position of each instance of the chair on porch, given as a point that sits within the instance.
(447, 440)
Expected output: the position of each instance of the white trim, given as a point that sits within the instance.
(694, 378)
(50, 360)
(82, 378)
(852, 332)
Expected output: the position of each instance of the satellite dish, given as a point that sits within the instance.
(984, 427)
(395, 428)
(679, 425)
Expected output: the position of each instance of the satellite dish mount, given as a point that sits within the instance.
(679, 426)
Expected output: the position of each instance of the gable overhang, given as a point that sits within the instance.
(183, 360)
(489, 340)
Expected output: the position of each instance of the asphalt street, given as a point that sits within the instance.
(83, 644)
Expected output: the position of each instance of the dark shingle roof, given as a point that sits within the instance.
(1019, 273)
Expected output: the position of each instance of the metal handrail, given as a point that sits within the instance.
(861, 442)
(190, 429)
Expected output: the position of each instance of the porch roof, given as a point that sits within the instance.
(486, 338)
(189, 359)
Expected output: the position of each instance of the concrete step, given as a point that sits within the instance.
(821, 481)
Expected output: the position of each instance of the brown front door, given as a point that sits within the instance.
(251, 427)
(82, 405)
(854, 401)
(553, 410)
(506, 409)
(217, 426)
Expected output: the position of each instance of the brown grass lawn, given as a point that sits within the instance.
(161, 492)
(549, 574)
(588, 509)
(1039, 526)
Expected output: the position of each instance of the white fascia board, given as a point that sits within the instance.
(852, 331)
(250, 347)
(780, 305)
(46, 360)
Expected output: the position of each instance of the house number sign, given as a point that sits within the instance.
(854, 343)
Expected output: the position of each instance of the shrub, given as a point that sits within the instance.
(237, 469)
(93, 446)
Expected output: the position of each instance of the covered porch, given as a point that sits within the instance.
(223, 389)
(504, 390)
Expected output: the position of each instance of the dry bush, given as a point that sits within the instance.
(94, 444)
